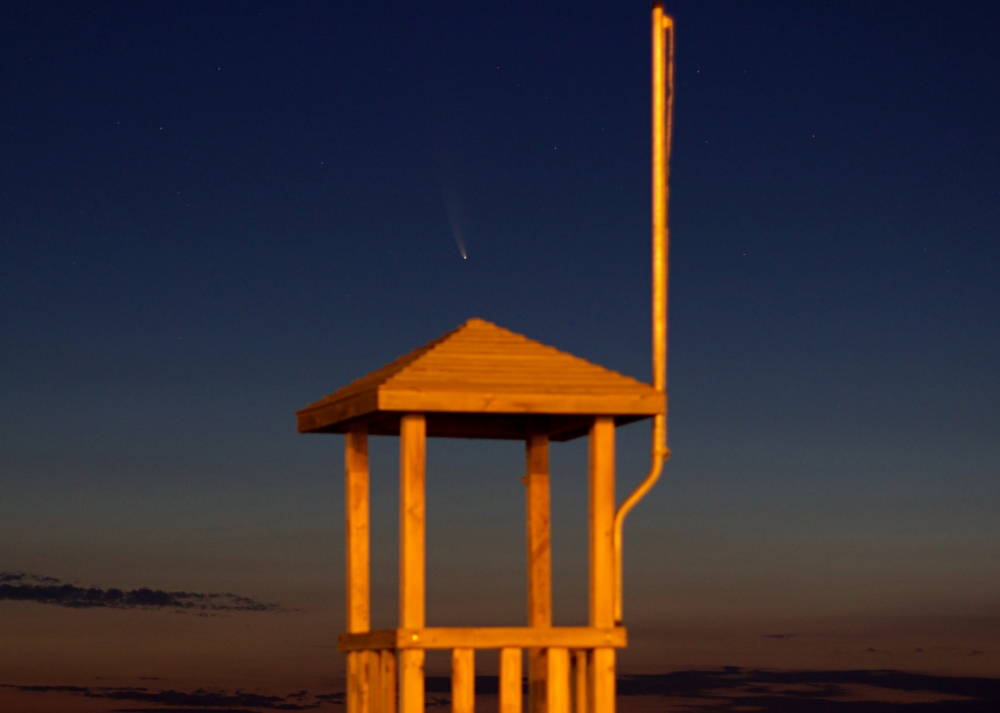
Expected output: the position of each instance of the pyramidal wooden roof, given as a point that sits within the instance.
(484, 381)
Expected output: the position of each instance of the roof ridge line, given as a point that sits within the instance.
(388, 371)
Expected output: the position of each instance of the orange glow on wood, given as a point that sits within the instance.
(357, 538)
(412, 510)
(602, 514)
(487, 637)
(663, 113)
(481, 368)
(483, 381)
(539, 563)
(463, 680)
(557, 685)
(510, 680)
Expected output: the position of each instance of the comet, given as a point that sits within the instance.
(455, 220)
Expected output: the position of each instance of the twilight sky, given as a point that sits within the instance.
(212, 214)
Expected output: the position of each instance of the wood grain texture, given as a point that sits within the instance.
(510, 680)
(364, 680)
(573, 637)
(463, 680)
(557, 683)
(602, 517)
(412, 509)
(538, 532)
(580, 679)
(357, 536)
(411, 681)
(376, 686)
(483, 368)
(539, 563)
(353, 684)
(538, 672)
(602, 680)
(412, 513)
(387, 664)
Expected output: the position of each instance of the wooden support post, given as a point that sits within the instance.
(356, 506)
(580, 681)
(602, 681)
(411, 681)
(557, 688)
(353, 681)
(510, 680)
(412, 456)
(602, 572)
(376, 686)
(463, 680)
(357, 539)
(539, 563)
(602, 516)
(387, 666)
(364, 681)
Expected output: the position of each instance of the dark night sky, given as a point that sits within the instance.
(212, 214)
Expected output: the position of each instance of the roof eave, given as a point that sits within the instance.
(334, 416)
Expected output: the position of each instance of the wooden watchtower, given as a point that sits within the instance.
(483, 381)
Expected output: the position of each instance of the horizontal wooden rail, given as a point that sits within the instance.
(571, 637)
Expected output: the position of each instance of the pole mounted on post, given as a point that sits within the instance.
(663, 105)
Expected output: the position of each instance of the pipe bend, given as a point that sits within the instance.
(662, 126)
(660, 455)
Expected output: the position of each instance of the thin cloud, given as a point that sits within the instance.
(18, 586)
(735, 689)
(192, 701)
(727, 690)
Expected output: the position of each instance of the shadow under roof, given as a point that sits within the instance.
(484, 381)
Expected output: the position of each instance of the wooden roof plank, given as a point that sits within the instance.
(480, 368)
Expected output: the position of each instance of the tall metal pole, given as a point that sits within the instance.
(663, 109)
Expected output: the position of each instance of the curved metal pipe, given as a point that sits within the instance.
(663, 105)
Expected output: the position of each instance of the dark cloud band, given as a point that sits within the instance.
(193, 701)
(725, 690)
(18, 586)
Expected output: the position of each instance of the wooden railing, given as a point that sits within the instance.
(569, 677)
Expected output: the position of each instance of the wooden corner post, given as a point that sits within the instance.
(539, 564)
(412, 509)
(602, 571)
(357, 541)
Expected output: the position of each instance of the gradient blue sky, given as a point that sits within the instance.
(212, 214)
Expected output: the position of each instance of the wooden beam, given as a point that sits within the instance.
(510, 680)
(330, 417)
(369, 640)
(557, 688)
(602, 572)
(499, 637)
(412, 509)
(506, 426)
(539, 563)
(357, 536)
(637, 400)
(463, 680)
